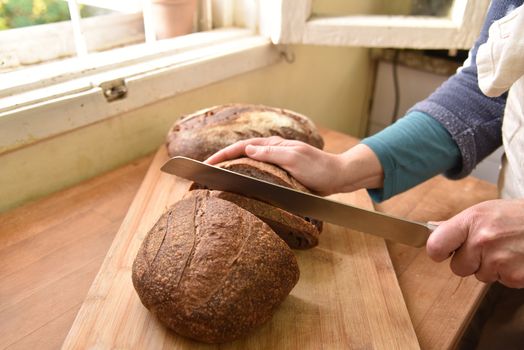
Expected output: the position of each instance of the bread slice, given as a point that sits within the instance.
(297, 231)
(263, 171)
(212, 271)
(200, 134)
(270, 173)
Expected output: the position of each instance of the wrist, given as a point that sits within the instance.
(360, 168)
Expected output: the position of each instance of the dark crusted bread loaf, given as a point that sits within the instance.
(200, 134)
(293, 229)
(211, 270)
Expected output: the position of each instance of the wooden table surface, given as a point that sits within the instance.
(52, 249)
(347, 297)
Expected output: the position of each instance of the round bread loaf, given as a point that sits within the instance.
(212, 271)
(201, 134)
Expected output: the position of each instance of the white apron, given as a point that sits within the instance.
(500, 63)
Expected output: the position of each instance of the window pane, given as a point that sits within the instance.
(173, 17)
(48, 34)
(438, 8)
(23, 13)
(40, 31)
(108, 6)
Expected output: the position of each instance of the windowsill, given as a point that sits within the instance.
(48, 102)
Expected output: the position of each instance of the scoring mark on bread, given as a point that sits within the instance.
(198, 213)
(165, 230)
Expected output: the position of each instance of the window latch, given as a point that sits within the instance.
(114, 89)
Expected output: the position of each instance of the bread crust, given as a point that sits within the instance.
(211, 270)
(201, 134)
(263, 171)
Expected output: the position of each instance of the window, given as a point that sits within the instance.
(51, 98)
(28, 40)
(454, 25)
(43, 100)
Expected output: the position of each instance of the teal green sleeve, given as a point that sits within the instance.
(412, 150)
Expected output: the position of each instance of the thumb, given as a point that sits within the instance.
(447, 238)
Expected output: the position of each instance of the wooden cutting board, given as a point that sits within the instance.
(347, 297)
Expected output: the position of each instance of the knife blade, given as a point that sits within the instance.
(379, 224)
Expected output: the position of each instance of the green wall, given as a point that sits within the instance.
(330, 85)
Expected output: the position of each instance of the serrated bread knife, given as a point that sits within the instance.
(396, 229)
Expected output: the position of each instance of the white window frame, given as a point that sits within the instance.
(296, 25)
(57, 97)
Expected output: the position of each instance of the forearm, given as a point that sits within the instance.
(360, 168)
(411, 151)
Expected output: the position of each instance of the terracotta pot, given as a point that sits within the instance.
(173, 17)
